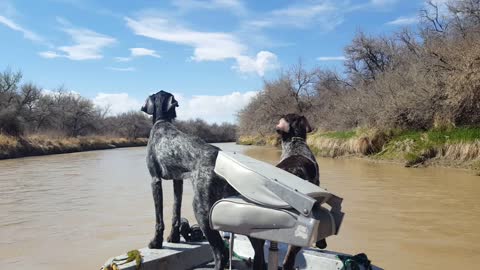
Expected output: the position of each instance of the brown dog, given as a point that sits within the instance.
(298, 159)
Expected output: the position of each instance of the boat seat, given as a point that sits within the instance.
(273, 204)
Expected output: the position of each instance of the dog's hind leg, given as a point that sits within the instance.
(259, 258)
(289, 261)
(220, 252)
(157, 241)
(206, 194)
(174, 236)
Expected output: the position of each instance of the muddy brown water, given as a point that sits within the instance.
(73, 211)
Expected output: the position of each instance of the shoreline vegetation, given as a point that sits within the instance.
(35, 121)
(39, 145)
(411, 96)
(456, 147)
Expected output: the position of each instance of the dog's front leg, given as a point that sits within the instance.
(174, 236)
(157, 241)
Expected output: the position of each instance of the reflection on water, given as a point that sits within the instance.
(76, 210)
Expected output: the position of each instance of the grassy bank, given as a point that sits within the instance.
(458, 147)
(269, 140)
(36, 145)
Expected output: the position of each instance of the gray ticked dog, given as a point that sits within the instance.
(298, 159)
(174, 155)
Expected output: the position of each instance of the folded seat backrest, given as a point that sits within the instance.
(253, 178)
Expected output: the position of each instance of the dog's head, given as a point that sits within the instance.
(293, 125)
(161, 105)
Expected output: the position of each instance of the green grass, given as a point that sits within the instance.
(463, 134)
(413, 145)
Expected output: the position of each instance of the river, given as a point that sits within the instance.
(73, 211)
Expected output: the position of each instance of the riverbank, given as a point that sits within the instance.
(455, 147)
(37, 145)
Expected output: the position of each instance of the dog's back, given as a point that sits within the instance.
(301, 167)
(298, 159)
(176, 153)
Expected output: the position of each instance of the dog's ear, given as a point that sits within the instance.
(170, 103)
(304, 123)
(148, 107)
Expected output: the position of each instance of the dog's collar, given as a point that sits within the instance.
(162, 120)
(298, 139)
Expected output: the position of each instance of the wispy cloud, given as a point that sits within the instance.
(207, 46)
(87, 44)
(404, 20)
(331, 58)
(372, 5)
(121, 68)
(122, 59)
(382, 3)
(138, 52)
(235, 6)
(323, 14)
(26, 33)
(49, 54)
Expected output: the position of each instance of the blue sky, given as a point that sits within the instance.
(213, 54)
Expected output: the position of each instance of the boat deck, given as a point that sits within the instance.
(199, 256)
(237, 265)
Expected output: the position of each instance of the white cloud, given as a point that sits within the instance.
(143, 52)
(235, 6)
(87, 44)
(331, 58)
(211, 46)
(213, 109)
(208, 46)
(138, 52)
(26, 33)
(117, 103)
(49, 54)
(323, 14)
(404, 20)
(263, 62)
(121, 69)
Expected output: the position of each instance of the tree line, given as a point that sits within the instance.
(26, 109)
(418, 79)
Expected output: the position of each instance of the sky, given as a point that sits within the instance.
(214, 55)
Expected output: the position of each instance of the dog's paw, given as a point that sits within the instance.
(174, 237)
(322, 244)
(156, 243)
